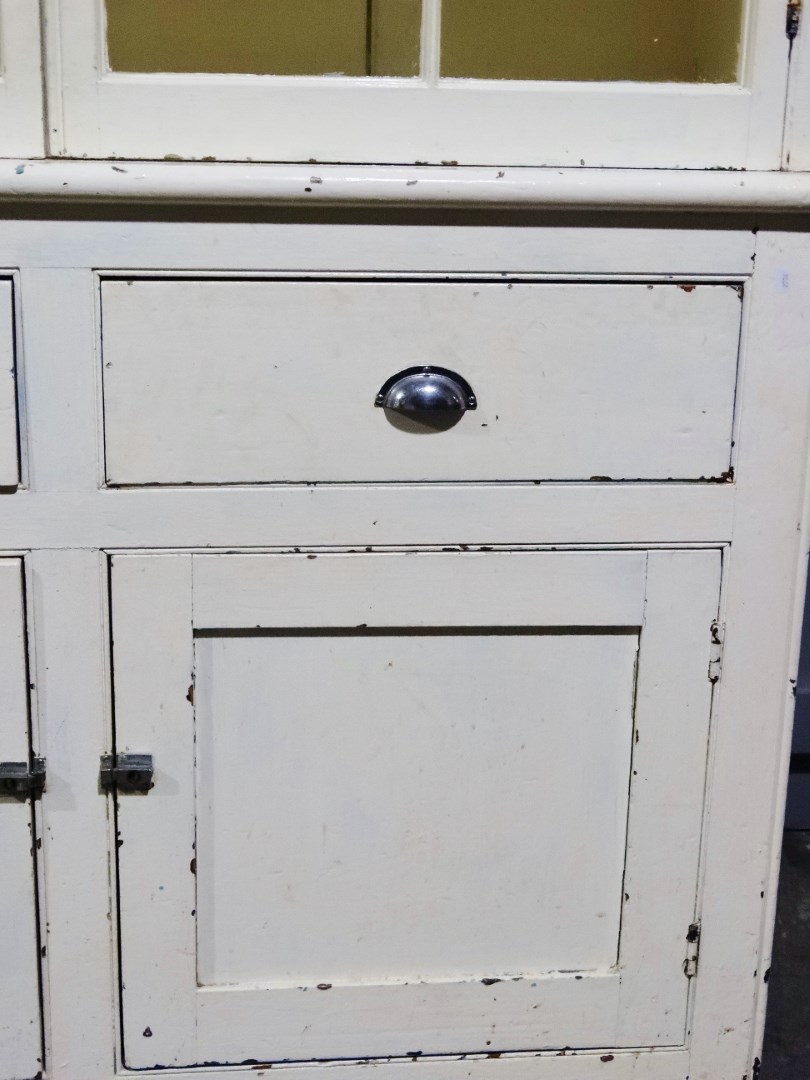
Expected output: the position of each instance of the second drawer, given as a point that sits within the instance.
(254, 381)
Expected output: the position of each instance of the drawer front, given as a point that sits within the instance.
(9, 464)
(234, 381)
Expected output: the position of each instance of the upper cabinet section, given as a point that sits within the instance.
(632, 83)
(21, 115)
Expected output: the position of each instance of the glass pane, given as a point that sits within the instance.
(265, 37)
(640, 40)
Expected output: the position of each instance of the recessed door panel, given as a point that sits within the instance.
(20, 1034)
(9, 464)
(400, 800)
(402, 778)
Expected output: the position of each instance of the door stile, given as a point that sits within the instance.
(152, 630)
(673, 709)
(21, 1036)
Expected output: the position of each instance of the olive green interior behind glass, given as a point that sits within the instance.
(580, 40)
(585, 40)
(265, 37)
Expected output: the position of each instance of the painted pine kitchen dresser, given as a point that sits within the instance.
(403, 528)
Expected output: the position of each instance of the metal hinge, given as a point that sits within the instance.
(21, 780)
(690, 964)
(794, 18)
(126, 772)
(716, 651)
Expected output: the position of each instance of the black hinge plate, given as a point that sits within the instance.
(126, 772)
(21, 780)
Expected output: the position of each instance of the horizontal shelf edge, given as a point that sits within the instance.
(720, 191)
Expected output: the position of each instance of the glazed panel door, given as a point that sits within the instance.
(409, 802)
(20, 1037)
(606, 83)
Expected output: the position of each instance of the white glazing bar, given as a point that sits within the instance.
(431, 41)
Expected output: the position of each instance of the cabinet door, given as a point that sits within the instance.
(628, 83)
(20, 1037)
(409, 803)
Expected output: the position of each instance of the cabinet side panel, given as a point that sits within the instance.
(763, 590)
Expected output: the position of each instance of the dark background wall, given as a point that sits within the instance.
(798, 802)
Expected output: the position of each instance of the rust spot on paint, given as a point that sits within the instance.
(193, 866)
(687, 288)
(490, 982)
(312, 556)
(495, 1054)
(190, 694)
(324, 986)
(606, 1057)
(726, 477)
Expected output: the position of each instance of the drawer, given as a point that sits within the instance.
(254, 381)
(9, 462)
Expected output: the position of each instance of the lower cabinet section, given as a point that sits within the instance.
(378, 745)
(20, 1023)
(405, 804)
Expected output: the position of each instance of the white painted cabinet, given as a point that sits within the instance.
(402, 548)
(375, 743)
(20, 1023)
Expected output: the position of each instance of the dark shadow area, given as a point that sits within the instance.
(786, 1054)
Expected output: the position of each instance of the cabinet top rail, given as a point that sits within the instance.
(334, 185)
